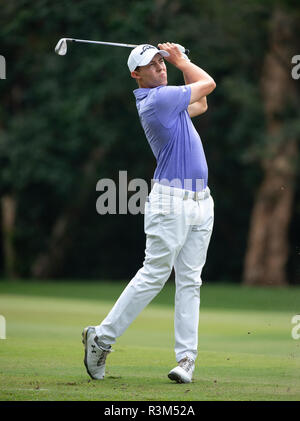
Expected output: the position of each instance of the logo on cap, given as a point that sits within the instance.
(147, 47)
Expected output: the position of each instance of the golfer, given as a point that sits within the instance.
(179, 210)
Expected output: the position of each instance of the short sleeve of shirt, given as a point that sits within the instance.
(170, 101)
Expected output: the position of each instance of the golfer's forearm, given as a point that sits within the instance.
(193, 73)
(200, 82)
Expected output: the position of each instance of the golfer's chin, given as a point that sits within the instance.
(162, 82)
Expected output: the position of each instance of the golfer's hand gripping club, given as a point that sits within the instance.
(184, 51)
(176, 52)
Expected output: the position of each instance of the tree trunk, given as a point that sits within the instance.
(50, 263)
(267, 252)
(8, 206)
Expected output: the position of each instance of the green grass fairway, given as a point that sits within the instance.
(246, 351)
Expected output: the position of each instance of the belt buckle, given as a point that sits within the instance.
(200, 195)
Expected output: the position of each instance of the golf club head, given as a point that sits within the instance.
(61, 47)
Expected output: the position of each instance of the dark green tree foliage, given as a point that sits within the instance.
(60, 116)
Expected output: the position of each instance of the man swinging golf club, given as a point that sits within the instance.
(179, 211)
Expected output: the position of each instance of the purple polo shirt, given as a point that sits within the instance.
(172, 136)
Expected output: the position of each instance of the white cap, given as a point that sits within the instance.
(142, 55)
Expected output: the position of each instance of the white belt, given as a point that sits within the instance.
(184, 194)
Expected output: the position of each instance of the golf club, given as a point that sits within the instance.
(61, 47)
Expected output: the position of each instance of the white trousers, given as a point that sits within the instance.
(178, 230)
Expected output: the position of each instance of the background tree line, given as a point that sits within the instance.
(66, 122)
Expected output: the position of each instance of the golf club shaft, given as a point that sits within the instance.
(115, 44)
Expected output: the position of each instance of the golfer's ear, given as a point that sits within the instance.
(135, 74)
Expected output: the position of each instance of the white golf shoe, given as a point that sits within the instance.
(95, 354)
(183, 372)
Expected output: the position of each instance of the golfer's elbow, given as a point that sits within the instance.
(212, 85)
(204, 107)
(201, 89)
